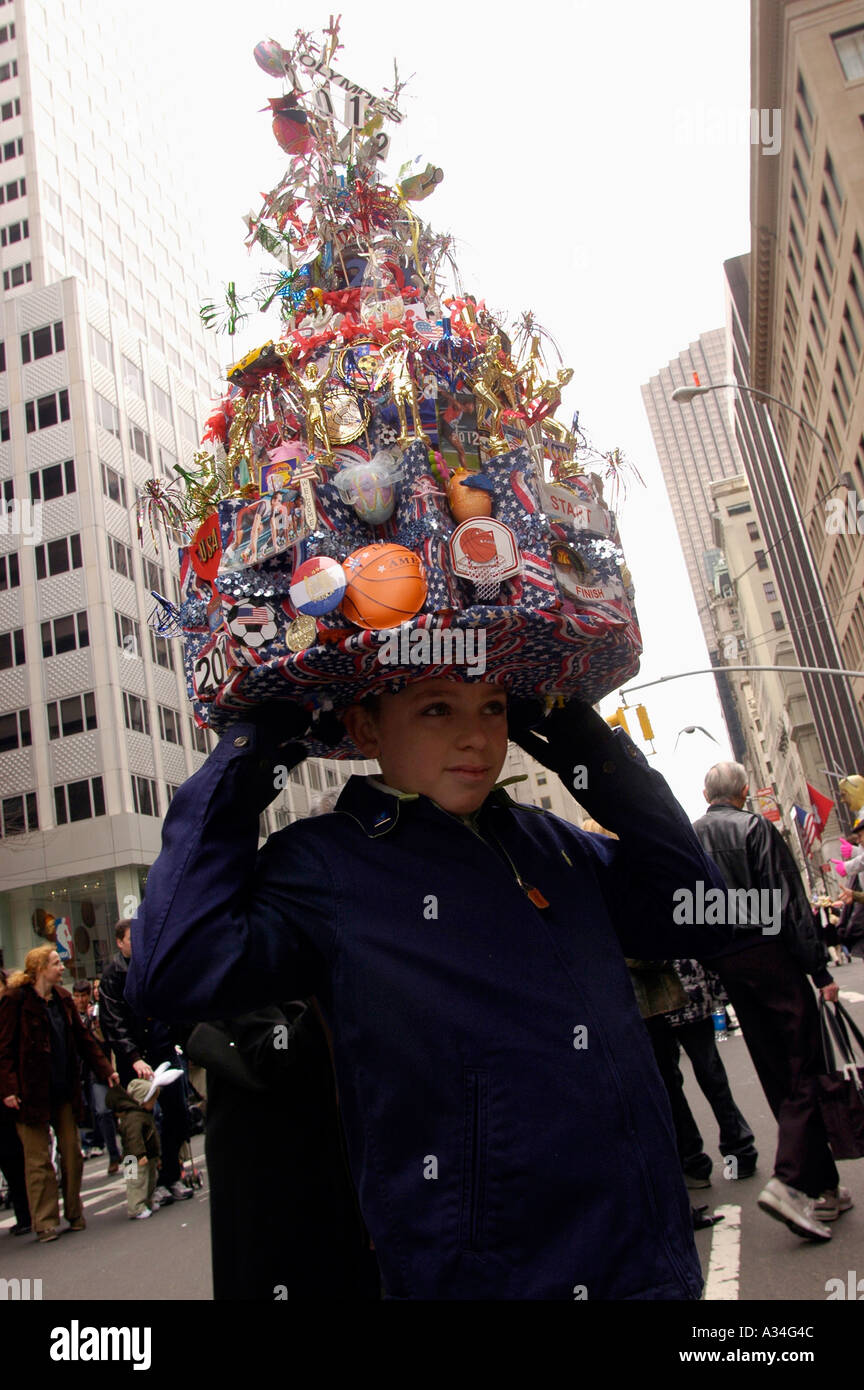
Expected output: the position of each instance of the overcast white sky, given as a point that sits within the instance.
(596, 171)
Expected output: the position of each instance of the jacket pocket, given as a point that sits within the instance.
(472, 1224)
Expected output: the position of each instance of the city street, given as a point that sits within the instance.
(168, 1257)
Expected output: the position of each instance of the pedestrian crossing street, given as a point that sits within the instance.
(103, 1195)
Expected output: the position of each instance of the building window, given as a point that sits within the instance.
(167, 461)
(18, 814)
(169, 724)
(761, 562)
(154, 577)
(14, 231)
(12, 648)
(107, 415)
(133, 377)
(100, 347)
(42, 342)
(79, 800)
(72, 715)
(57, 557)
(11, 149)
(120, 557)
(144, 796)
(752, 530)
(7, 32)
(161, 401)
(127, 633)
(160, 650)
(769, 591)
(849, 47)
(740, 509)
(8, 70)
(15, 730)
(57, 480)
(199, 737)
(18, 275)
(13, 190)
(4, 426)
(10, 109)
(65, 634)
(187, 424)
(140, 442)
(46, 411)
(135, 713)
(10, 575)
(170, 792)
(778, 621)
(113, 484)
(2, 357)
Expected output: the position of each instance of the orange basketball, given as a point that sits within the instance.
(386, 585)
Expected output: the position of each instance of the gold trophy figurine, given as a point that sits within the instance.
(312, 388)
(395, 368)
(493, 378)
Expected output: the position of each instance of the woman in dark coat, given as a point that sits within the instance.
(12, 1159)
(41, 1040)
(284, 1218)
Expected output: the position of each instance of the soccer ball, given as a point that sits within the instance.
(252, 624)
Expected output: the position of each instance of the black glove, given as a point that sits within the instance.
(559, 739)
(279, 722)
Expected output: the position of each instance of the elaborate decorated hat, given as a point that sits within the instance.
(383, 493)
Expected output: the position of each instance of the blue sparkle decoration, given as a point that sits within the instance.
(163, 617)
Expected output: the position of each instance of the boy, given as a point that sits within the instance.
(507, 1130)
(134, 1106)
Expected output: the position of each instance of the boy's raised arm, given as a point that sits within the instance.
(221, 927)
(657, 854)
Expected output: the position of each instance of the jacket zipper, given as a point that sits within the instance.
(534, 894)
(473, 1201)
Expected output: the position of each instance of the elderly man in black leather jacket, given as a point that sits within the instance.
(764, 971)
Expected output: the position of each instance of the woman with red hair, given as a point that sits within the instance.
(41, 1039)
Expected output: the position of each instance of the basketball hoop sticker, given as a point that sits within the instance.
(485, 552)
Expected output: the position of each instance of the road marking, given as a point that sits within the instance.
(851, 996)
(724, 1263)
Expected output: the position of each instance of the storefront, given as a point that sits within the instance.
(75, 913)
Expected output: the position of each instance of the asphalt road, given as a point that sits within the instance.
(168, 1257)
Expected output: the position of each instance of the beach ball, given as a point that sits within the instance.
(386, 585)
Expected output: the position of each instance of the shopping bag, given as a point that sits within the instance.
(841, 1087)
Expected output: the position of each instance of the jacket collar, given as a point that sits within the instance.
(377, 809)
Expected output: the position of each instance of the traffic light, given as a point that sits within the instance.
(645, 726)
(645, 723)
(617, 720)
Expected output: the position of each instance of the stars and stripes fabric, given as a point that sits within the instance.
(806, 828)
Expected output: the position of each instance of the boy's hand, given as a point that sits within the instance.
(142, 1163)
(556, 738)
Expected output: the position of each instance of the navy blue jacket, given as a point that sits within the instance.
(498, 1153)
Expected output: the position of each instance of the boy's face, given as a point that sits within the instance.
(445, 739)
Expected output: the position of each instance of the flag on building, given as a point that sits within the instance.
(821, 806)
(806, 828)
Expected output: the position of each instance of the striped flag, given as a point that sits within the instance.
(806, 828)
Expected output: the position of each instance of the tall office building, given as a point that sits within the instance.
(798, 327)
(696, 448)
(769, 723)
(105, 375)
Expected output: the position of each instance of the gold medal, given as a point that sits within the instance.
(301, 633)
